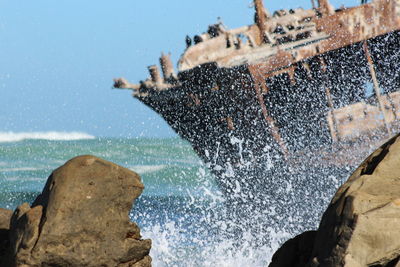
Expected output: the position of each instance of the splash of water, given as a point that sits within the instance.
(209, 228)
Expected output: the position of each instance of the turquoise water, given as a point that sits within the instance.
(181, 208)
(177, 209)
(167, 166)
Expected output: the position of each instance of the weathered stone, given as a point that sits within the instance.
(81, 219)
(295, 252)
(361, 225)
(5, 216)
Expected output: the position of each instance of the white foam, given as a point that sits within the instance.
(52, 136)
(141, 169)
(26, 179)
(169, 249)
(19, 169)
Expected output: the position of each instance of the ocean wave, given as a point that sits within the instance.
(51, 136)
(141, 169)
(19, 169)
(26, 179)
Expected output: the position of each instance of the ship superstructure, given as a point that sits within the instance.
(305, 83)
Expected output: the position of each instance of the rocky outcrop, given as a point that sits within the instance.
(5, 216)
(295, 252)
(81, 219)
(361, 225)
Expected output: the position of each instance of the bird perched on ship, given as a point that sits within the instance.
(188, 41)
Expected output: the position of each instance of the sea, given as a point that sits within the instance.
(181, 208)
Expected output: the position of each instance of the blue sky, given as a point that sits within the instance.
(58, 58)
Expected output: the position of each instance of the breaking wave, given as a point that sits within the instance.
(51, 136)
(142, 169)
(19, 169)
(30, 179)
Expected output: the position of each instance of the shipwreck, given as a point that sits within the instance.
(296, 86)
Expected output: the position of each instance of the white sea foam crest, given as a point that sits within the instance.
(52, 136)
(142, 169)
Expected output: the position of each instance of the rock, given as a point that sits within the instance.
(81, 219)
(295, 252)
(361, 225)
(5, 216)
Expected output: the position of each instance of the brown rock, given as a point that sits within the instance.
(81, 219)
(361, 225)
(295, 252)
(5, 216)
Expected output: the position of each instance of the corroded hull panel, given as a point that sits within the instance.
(307, 87)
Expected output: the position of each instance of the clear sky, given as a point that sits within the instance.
(58, 58)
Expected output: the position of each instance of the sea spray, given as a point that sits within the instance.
(191, 221)
(246, 224)
(197, 232)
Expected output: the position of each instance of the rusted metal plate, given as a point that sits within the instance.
(279, 49)
(343, 28)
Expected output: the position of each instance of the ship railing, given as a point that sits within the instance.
(294, 27)
(216, 48)
(361, 118)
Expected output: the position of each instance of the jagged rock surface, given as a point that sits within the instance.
(361, 225)
(5, 216)
(81, 219)
(295, 252)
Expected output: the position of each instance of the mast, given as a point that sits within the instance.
(313, 4)
(260, 19)
(326, 8)
(166, 66)
(155, 74)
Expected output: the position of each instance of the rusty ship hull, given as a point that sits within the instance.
(306, 88)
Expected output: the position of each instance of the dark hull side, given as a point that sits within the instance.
(218, 111)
